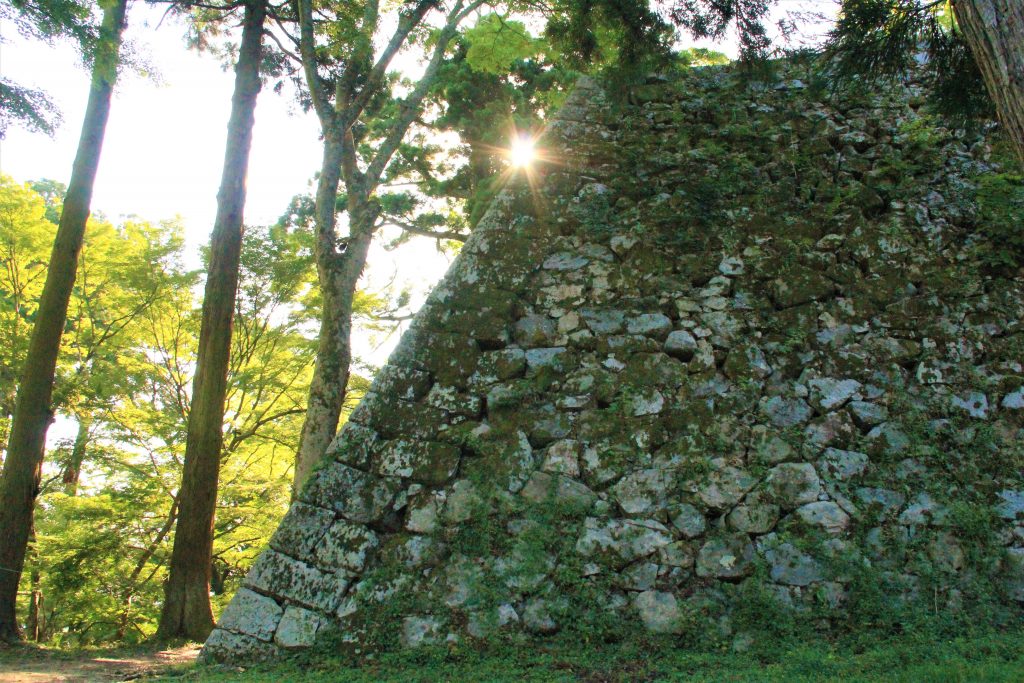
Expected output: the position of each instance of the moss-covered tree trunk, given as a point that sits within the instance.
(340, 262)
(186, 610)
(994, 29)
(19, 483)
(339, 268)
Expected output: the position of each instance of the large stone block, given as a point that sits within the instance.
(298, 628)
(251, 614)
(793, 483)
(284, 577)
(301, 530)
(346, 546)
(726, 557)
(622, 540)
(225, 647)
(428, 462)
(356, 495)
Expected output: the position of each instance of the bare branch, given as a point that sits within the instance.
(425, 232)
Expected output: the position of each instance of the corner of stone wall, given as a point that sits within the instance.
(293, 590)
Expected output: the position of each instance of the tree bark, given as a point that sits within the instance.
(186, 610)
(340, 266)
(34, 623)
(338, 271)
(19, 483)
(73, 470)
(994, 30)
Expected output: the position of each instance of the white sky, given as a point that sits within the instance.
(164, 145)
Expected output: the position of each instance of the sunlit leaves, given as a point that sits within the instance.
(495, 43)
(125, 371)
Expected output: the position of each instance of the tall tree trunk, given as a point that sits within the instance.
(73, 470)
(19, 484)
(339, 270)
(186, 610)
(994, 30)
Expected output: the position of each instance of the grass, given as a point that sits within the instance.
(993, 657)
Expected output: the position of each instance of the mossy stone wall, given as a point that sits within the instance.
(738, 352)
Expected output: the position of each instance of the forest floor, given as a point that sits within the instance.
(27, 664)
(990, 658)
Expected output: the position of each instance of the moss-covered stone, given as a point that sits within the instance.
(702, 379)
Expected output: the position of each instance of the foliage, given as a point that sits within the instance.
(496, 42)
(25, 236)
(711, 20)
(881, 38)
(45, 20)
(1001, 214)
(103, 534)
(31, 107)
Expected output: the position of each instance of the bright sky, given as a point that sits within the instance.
(164, 146)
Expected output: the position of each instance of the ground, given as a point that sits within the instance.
(991, 658)
(36, 665)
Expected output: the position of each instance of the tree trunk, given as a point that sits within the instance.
(36, 627)
(19, 484)
(339, 266)
(994, 30)
(133, 580)
(73, 470)
(34, 623)
(186, 611)
(339, 271)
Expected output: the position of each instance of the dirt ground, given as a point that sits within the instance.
(31, 665)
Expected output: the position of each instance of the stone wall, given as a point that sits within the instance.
(736, 338)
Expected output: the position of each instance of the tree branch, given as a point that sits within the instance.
(425, 232)
(410, 106)
(406, 24)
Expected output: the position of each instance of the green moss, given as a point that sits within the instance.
(988, 655)
(1000, 198)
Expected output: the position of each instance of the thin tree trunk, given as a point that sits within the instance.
(994, 30)
(34, 623)
(339, 271)
(35, 609)
(132, 583)
(19, 484)
(186, 610)
(73, 470)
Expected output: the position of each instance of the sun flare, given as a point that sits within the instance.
(522, 153)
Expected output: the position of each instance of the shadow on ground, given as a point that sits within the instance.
(26, 664)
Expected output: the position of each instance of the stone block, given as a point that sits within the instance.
(298, 628)
(251, 614)
(284, 577)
